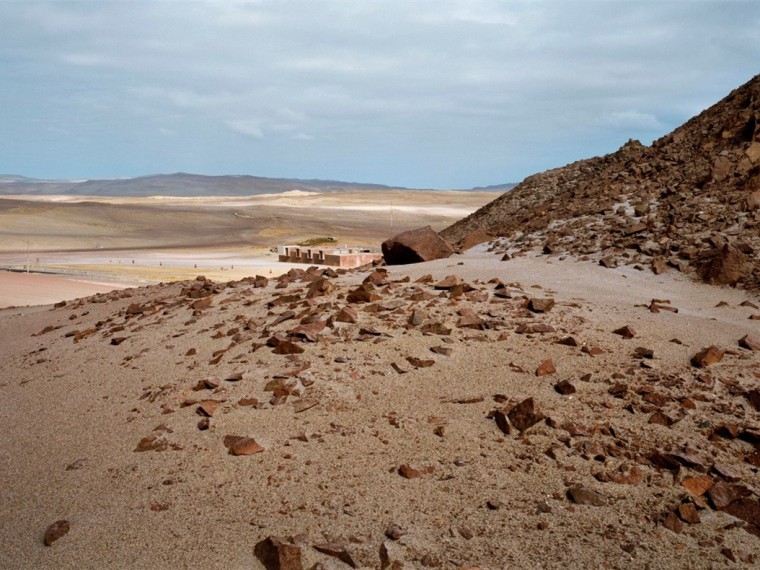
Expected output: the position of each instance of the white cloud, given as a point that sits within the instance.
(249, 128)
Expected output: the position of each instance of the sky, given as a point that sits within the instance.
(412, 93)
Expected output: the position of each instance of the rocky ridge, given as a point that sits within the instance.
(690, 202)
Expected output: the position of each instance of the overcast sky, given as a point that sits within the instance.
(433, 94)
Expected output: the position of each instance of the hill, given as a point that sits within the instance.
(691, 201)
(178, 184)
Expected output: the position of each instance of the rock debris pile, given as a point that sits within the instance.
(690, 202)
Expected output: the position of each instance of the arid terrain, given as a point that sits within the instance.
(578, 386)
(152, 239)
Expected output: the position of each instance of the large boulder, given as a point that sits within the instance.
(724, 266)
(422, 244)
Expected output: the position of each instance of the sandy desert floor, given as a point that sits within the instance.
(376, 424)
(147, 240)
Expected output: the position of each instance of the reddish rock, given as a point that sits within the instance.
(288, 347)
(278, 554)
(56, 531)
(347, 315)
(565, 387)
(201, 304)
(470, 319)
(545, 368)
(688, 513)
(707, 357)
(338, 550)
(154, 442)
(751, 342)
(419, 362)
(537, 305)
(723, 494)
(625, 332)
(726, 266)
(415, 471)
(697, 486)
(502, 421)
(672, 523)
(448, 282)
(239, 445)
(207, 408)
(414, 246)
(524, 415)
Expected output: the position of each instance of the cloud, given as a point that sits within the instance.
(249, 128)
(429, 93)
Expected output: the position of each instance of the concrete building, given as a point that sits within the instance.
(345, 257)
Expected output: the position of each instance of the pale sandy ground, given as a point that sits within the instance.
(148, 240)
(330, 473)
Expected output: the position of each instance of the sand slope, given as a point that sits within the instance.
(74, 408)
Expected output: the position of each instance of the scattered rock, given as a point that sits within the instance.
(524, 415)
(707, 357)
(581, 495)
(625, 332)
(537, 305)
(415, 471)
(239, 445)
(56, 531)
(545, 368)
(278, 554)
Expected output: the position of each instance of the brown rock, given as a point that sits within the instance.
(337, 550)
(442, 350)
(502, 421)
(415, 471)
(207, 408)
(288, 347)
(726, 266)
(524, 415)
(672, 523)
(565, 387)
(201, 304)
(723, 494)
(239, 445)
(448, 282)
(697, 486)
(581, 495)
(625, 332)
(545, 368)
(688, 513)
(56, 531)
(347, 315)
(750, 341)
(707, 357)
(474, 238)
(537, 305)
(414, 246)
(419, 362)
(277, 554)
(469, 319)
(747, 510)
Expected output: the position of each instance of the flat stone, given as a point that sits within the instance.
(750, 342)
(581, 495)
(415, 471)
(56, 531)
(697, 486)
(239, 445)
(625, 332)
(337, 550)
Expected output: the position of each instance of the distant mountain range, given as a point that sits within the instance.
(190, 185)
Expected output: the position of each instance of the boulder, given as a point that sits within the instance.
(414, 246)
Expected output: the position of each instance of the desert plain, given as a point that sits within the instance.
(481, 411)
(140, 240)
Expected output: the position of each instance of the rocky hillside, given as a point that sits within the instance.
(691, 201)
